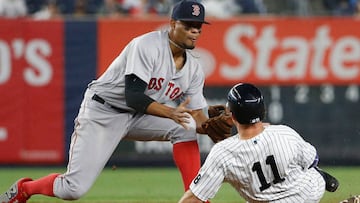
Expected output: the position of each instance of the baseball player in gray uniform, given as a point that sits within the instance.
(263, 162)
(129, 102)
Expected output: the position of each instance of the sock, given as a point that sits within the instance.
(187, 158)
(42, 186)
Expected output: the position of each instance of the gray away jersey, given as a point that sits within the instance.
(272, 166)
(149, 57)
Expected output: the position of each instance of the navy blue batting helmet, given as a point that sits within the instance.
(246, 103)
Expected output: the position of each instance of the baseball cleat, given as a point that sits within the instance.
(15, 194)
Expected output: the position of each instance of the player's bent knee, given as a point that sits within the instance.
(180, 134)
(71, 195)
(67, 190)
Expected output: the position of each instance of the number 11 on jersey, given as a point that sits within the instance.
(270, 160)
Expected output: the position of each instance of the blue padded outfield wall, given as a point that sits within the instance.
(80, 67)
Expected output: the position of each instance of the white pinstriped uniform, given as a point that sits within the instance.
(271, 167)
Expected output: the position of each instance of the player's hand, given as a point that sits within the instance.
(181, 114)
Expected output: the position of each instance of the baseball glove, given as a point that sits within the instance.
(219, 124)
(216, 110)
(353, 199)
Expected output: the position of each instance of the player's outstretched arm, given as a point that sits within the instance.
(180, 114)
(136, 99)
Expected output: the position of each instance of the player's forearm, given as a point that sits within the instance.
(200, 118)
(178, 114)
(161, 110)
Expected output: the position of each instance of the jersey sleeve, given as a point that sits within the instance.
(195, 91)
(306, 152)
(211, 175)
(139, 59)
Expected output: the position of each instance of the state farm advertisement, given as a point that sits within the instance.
(31, 89)
(259, 50)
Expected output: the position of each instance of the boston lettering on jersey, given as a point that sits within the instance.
(172, 91)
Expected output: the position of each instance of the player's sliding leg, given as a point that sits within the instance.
(187, 158)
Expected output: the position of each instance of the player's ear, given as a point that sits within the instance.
(233, 117)
(172, 23)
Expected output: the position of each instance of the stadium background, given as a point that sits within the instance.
(308, 68)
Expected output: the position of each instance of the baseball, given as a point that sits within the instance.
(191, 124)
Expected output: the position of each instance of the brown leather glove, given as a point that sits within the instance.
(218, 127)
(216, 110)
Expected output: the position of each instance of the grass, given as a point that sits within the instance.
(159, 185)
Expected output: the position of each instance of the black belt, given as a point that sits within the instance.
(102, 101)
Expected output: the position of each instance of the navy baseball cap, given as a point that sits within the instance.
(189, 10)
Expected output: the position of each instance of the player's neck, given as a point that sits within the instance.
(175, 45)
(176, 49)
(249, 131)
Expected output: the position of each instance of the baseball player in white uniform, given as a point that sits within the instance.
(264, 163)
(129, 102)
